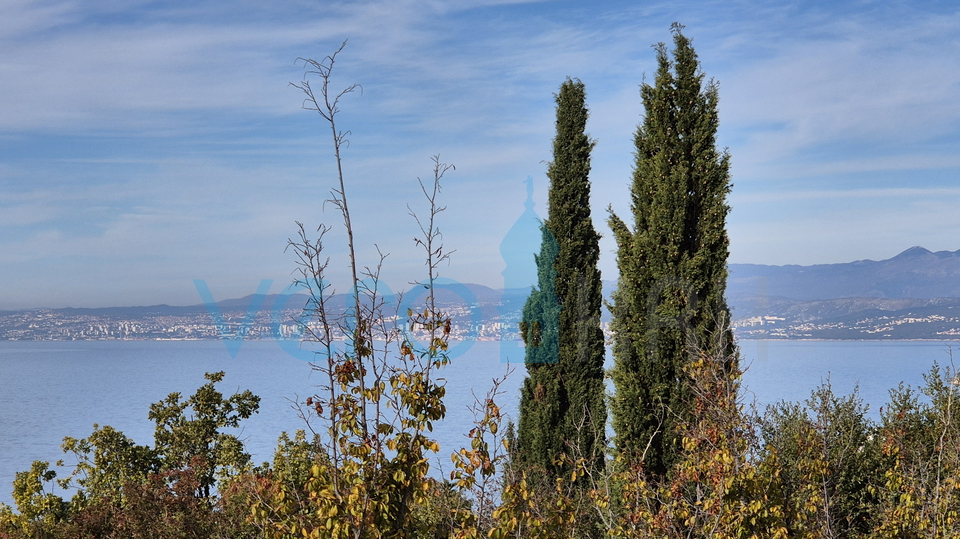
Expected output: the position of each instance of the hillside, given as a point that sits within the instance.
(914, 295)
(914, 273)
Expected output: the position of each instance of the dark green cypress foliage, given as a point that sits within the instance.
(542, 397)
(562, 407)
(672, 263)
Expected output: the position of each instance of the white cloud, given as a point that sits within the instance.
(19, 18)
(210, 160)
(849, 87)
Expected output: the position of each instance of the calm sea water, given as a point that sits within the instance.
(49, 390)
(790, 370)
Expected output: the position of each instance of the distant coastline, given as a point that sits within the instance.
(912, 296)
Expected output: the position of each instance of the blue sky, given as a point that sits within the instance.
(146, 144)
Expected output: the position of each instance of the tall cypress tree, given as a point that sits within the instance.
(562, 399)
(672, 263)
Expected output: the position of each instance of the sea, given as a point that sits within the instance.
(53, 389)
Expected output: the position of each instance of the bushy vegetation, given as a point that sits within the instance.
(672, 260)
(562, 399)
(816, 469)
(183, 486)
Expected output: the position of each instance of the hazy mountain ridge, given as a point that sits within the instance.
(914, 273)
(915, 294)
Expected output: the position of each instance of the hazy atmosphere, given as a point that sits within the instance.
(147, 144)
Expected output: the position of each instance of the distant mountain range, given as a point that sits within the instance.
(914, 273)
(483, 294)
(915, 294)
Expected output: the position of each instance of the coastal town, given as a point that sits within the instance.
(481, 322)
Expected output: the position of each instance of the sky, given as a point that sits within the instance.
(146, 144)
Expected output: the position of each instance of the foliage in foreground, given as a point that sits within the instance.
(672, 261)
(562, 406)
(812, 470)
(129, 490)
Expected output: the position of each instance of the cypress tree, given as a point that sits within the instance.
(672, 263)
(562, 407)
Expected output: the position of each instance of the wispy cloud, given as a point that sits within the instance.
(863, 84)
(162, 140)
(901, 193)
